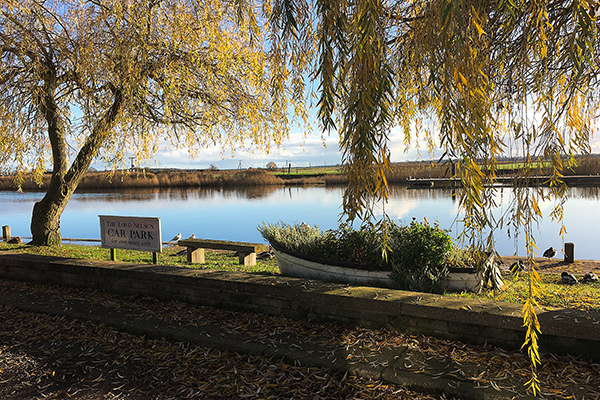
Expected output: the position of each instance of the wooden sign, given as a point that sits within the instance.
(133, 233)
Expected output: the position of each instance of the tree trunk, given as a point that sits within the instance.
(45, 219)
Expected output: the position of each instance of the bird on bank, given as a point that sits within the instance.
(193, 236)
(265, 255)
(568, 279)
(590, 277)
(549, 253)
(176, 238)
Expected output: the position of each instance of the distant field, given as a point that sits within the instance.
(401, 169)
(519, 165)
(300, 171)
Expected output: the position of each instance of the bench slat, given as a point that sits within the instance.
(223, 245)
(246, 251)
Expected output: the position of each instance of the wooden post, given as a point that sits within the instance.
(154, 257)
(113, 254)
(6, 232)
(195, 256)
(569, 252)
(247, 258)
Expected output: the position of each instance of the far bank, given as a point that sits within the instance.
(414, 173)
(153, 178)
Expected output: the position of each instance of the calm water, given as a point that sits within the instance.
(235, 214)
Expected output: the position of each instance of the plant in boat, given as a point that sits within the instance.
(418, 255)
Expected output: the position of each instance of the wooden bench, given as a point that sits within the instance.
(246, 251)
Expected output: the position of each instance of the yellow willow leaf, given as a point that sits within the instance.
(485, 77)
(480, 31)
(384, 179)
(527, 308)
(535, 207)
(463, 79)
(563, 230)
(533, 384)
(535, 274)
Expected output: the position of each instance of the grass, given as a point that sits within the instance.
(301, 171)
(554, 295)
(215, 260)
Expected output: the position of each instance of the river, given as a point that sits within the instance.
(235, 214)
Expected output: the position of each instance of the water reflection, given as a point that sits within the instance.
(234, 214)
(176, 193)
(592, 193)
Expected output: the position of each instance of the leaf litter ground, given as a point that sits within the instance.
(56, 357)
(43, 356)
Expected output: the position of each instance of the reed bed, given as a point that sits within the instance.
(140, 178)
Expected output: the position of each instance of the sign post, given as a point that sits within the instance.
(132, 233)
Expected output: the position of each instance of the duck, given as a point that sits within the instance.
(568, 279)
(590, 277)
(265, 255)
(549, 253)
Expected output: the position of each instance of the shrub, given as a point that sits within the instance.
(464, 258)
(418, 256)
(301, 238)
(362, 247)
(359, 247)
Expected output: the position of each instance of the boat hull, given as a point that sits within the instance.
(290, 265)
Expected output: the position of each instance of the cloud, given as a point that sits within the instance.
(401, 208)
(300, 150)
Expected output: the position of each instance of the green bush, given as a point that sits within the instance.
(419, 255)
(362, 247)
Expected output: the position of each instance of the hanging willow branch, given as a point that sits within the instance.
(483, 77)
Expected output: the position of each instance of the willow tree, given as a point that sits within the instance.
(471, 76)
(96, 79)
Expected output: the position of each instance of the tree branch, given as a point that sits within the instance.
(95, 140)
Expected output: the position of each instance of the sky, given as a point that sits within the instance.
(299, 150)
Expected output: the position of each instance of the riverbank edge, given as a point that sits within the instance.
(468, 320)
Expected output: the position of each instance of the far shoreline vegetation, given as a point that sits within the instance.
(290, 175)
